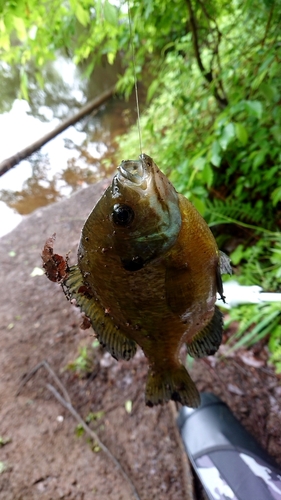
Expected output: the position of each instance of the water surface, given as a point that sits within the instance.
(73, 159)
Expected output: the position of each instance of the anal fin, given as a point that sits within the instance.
(175, 384)
(108, 334)
(208, 340)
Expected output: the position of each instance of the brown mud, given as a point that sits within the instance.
(43, 457)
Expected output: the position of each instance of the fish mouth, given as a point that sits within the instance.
(135, 171)
(132, 170)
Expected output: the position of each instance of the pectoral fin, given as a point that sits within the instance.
(108, 334)
(224, 267)
(207, 342)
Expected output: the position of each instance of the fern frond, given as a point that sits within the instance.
(233, 212)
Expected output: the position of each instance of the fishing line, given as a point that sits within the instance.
(135, 74)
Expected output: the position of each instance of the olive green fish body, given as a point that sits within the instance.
(148, 274)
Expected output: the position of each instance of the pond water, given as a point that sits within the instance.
(73, 159)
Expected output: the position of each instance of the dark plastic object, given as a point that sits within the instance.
(227, 459)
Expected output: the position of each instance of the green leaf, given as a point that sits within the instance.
(258, 80)
(110, 13)
(237, 255)
(263, 325)
(268, 91)
(227, 135)
(199, 163)
(276, 196)
(111, 57)
(82, 15)
(254, 108)
(241, 133)
(20, 28)
(216, 156)
(276, 131)
(199, 204)
(259, 158)
(207, 174)
(152, 89)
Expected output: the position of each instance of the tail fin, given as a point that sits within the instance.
(175, 384)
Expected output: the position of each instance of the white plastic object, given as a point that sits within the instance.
(236, 294)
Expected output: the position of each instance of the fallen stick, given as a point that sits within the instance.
(66, 403)
(45, 365)
(10, 162)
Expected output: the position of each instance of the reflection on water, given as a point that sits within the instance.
(75, 158)
(37, 190)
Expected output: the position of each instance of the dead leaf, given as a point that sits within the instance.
(56, 266)
(235, 390)
(250, 360)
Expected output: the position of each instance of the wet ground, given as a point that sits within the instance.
(44, 454)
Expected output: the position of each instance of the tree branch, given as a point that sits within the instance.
(208, 75)
(9, 163)
(193, 26)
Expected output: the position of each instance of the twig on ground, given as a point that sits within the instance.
(93, 435)
(46, 365)
(66, 403)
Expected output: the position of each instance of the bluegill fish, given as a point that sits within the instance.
(148, 273)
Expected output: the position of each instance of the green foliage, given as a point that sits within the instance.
(226, 159)
(275, 347)
(205, 149)
(94, 417)
(256, 321)
(259, 264)
(85, 363)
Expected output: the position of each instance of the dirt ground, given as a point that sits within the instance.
(42, 454)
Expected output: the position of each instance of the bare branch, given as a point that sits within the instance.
(208, 75)
(45, 365)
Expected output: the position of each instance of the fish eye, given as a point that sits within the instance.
(122, 215)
